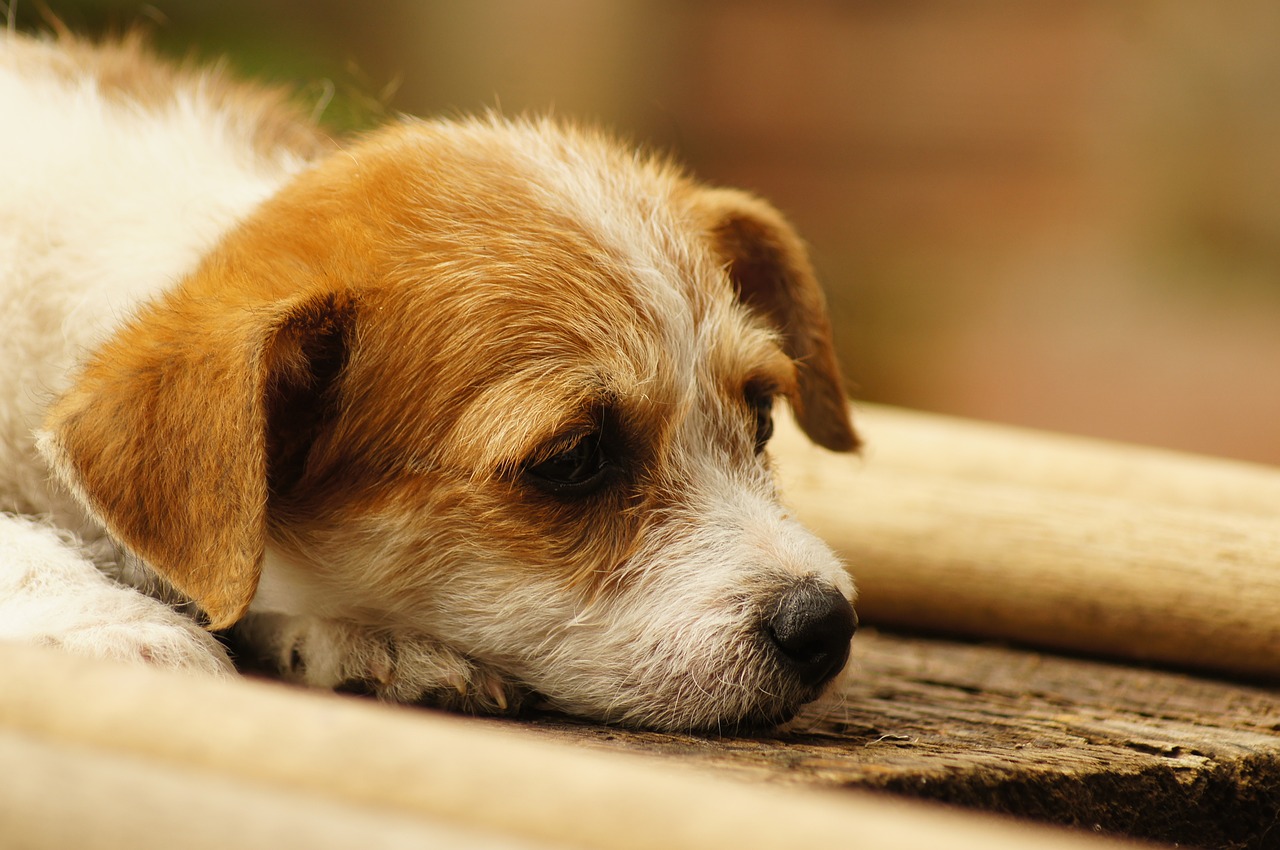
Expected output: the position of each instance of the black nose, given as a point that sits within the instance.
(811, 629)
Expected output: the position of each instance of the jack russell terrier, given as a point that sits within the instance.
(467, 413)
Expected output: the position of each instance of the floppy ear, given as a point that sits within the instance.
(770, 267)
(164, 434)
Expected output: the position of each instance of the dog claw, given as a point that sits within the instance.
(494, 689)
(458, 682)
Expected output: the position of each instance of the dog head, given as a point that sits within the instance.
(507, 385)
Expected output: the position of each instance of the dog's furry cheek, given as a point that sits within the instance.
(677, 643)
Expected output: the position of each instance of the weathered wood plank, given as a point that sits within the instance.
(107, 755)
(1103, 747)
(1046, 540)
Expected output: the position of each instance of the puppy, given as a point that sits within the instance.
(467, 413)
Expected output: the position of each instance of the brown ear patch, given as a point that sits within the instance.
(768, 264)
(161, 438)
(164, 434)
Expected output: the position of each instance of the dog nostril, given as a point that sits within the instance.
(811, 629)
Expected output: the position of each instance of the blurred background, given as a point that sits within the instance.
(1062, 214)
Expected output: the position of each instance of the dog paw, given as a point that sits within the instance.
(398, 668)
(137, 630)
(52, 595)
(427, 673)
(157, 644)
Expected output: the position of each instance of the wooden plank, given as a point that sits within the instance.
(1097, 746)
(981, 452)
(1061, 542)
(257, 755)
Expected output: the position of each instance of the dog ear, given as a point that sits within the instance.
(164, 435)
(769, 265)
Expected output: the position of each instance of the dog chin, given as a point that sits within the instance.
(753, 692)
(769, 714)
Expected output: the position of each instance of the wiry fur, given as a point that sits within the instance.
(303, 391)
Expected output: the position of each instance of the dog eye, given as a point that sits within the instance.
(762, 405)
(578, 470)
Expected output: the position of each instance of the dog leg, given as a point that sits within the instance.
(349, 658)
(51, 594)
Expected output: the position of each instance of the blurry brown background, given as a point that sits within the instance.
(1061, 213)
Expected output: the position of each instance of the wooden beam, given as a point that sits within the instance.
(988, 531)
(248, 758)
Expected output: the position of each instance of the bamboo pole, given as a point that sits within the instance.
(1061, 542)
(114, 756)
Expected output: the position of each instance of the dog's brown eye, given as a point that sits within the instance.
(578, 470)
(762, 405)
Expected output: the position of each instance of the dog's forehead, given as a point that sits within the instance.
(540, 271)
(539, 199)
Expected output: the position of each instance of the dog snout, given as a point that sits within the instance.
(810, 628)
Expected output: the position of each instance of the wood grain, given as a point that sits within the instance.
(1097, 746)
(98, 754)
(979, 530)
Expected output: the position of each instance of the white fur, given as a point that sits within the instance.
(52, 594)
(102, 205)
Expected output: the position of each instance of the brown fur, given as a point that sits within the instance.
(157, 416)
